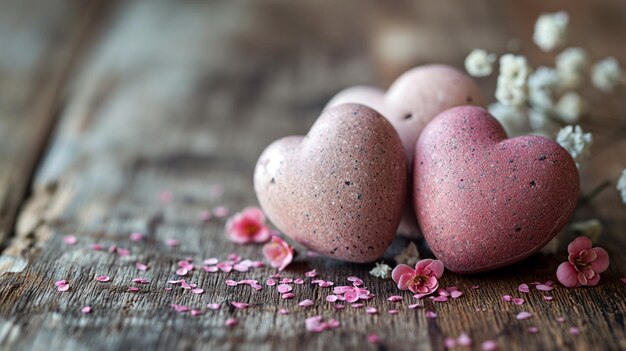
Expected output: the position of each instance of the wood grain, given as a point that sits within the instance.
(178, 96)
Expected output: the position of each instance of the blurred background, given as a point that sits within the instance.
(214, 82)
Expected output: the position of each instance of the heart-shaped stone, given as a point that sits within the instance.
(341, 189)
(413, 100)
(484, 201)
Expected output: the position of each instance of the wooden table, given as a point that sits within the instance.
(109, 107)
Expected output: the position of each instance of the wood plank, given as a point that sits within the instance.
(180, 96)
(39, 43)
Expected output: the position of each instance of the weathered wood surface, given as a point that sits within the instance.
(178, 96)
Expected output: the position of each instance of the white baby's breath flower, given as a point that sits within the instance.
(621, 185)
(408, 256)
(551, 30)
(479, 63)
(512, 119)
(577, 143)
(571, 107)
(591, 228)
(511, 88)
(382, 270)
(542, 85)
(571, 66)
(606, 74)
(541, 123)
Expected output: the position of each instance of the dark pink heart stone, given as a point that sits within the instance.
(484, 201)
(341, 189)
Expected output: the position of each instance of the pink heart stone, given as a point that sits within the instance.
(484, 201)
(341, 189)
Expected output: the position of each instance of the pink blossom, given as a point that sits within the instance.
(278, 253)
(316, 325)
(584, 264)
(422, 279)
(248, 226)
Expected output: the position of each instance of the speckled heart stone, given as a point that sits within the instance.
(341, 189)
(413, 100)
(484, 201)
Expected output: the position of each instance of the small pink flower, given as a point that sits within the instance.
(584, 264)
(278, 253)
(422, 279)
(248, 226)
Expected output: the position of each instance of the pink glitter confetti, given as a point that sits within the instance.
(136, 236)
(85, 310)
(456, 294)
(141, 266)
(197, 291)
(518, 301)
(574, 331)
(70, 240)
(414, 306)
(140, 280)
(283, 311)
(230, 322)
(182, 271)
(464, 340)
(371, 310)
(548, 298)
(392, 311)
(220, 211)
(533, 330)
(431, 314)
(214, 306)
(523, 315)
(196, 312)
(239, 305)
(394, 298)
(287, 296)
(171, 242)
(489, 345)
(543, 287)
(373, 339)
(507, 298)
(103, 278)
(96, 247)
(313, 274)
(523, 288)
(306, 303)
(284, 288)
(133, 289)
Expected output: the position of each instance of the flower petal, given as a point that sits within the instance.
(567, 275)
(602, 261)
(579, 244)
(401, 270)
(437, 268)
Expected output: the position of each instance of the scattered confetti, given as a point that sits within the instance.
(543, 287)
(548, 298)
(306, 303)
(140, 280)
(239, 305)
(507, 298)
(456, 294)
(133, 289)
(103, 278)
(197, 291)
(394, 298)
(489, 345)
(214, 306)
(524, 288)
(287, 296)
(136, 236)
(182, 271)
(70, 240)
(371, 310)
(414, 306)
(518, 301)
(523, 315)
(141, 266)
